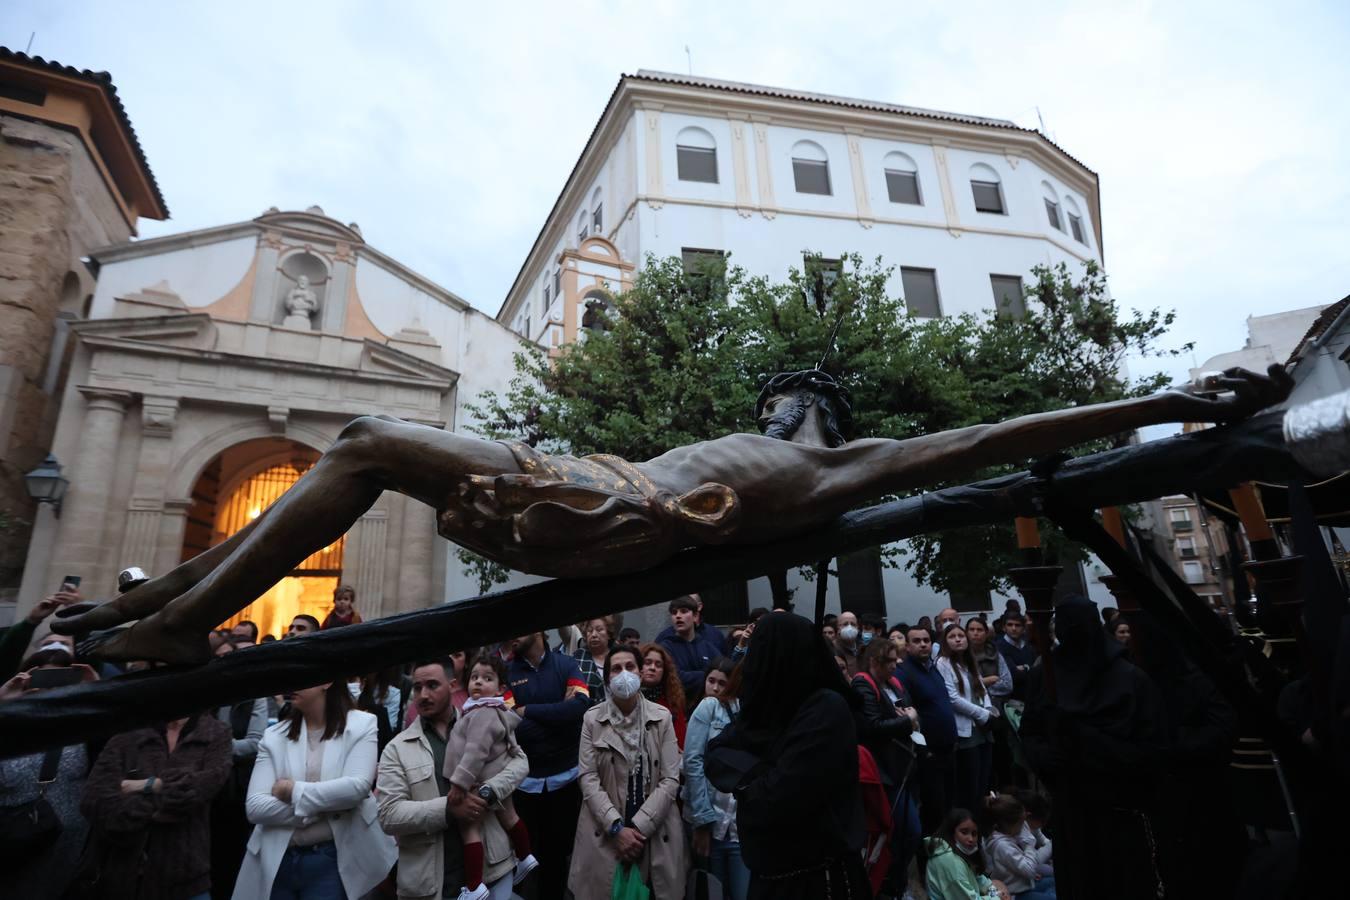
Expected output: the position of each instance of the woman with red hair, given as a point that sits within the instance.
(661, 684)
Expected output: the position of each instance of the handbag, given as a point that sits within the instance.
(29, 828)
(628, 884)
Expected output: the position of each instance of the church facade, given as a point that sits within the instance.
(213, 368)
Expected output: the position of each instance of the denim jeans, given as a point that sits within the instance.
(724, 862)
(309, 873)
(1041, 890)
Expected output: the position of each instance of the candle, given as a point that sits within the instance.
(1114, 525)
(1028, 536)
(1250, 511)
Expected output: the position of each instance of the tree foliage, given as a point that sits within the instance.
(682, 355)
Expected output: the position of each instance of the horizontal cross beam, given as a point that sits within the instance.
(1214, 458)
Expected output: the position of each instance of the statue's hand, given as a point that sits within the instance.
(1235, 394)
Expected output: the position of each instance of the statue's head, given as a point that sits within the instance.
(303, 281)
(788, 398)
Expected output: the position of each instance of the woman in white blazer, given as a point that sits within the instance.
(973, 710)
(316, 834)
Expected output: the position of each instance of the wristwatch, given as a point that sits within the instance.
(149, 787)
(615, 828)
(486, 793)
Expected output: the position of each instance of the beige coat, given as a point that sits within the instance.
(412, 809)
(604, 785)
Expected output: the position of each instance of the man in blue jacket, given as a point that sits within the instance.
(691, 650)
(1017, 652)
(549, 694)
(937, 762)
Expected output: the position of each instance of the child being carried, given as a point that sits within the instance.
(478, 748)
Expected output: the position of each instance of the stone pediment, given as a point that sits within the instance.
(193, 331)
(378, 357)
(312, 221)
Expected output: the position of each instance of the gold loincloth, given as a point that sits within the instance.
(595, 515)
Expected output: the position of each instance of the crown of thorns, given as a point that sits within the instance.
(817, 382)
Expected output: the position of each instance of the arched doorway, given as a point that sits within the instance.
(233, 490)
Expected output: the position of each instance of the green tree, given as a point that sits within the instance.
(682, 354)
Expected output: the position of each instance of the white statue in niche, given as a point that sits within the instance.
(301, 304)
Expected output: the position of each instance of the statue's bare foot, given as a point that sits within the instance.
(149, 639)
(137, 603)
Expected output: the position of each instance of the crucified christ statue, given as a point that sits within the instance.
(564, 516)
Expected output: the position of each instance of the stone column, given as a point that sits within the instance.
(414, 577)
(140, 540)
(81, 536)
(169, 543)
(362, 560)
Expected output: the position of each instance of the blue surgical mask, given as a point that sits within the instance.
(866, 637)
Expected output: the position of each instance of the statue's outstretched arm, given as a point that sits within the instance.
(933, 458)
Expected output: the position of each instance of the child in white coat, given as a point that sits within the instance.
(1013, 853)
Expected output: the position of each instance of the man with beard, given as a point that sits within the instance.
(562, 516)
(414, 807)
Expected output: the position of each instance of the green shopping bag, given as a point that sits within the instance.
(628, 884)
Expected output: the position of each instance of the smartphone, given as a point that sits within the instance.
(50, 678)
(72, 580)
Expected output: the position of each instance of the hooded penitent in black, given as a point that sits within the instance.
(791, 758)
(1100, 745)
(1201, 730)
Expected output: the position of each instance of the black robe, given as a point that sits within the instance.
(1100, 745)
(1200, 820)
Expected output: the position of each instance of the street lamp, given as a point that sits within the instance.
(46, 484)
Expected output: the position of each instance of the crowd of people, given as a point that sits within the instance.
(782, 758)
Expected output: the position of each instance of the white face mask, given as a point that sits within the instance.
(625, 685)
(848, 633)
(966, 851)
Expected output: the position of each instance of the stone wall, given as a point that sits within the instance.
(54, 208)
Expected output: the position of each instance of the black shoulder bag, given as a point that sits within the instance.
(29, 828)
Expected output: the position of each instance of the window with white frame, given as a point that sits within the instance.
(597, 219)
(1193, 572)
(820, 273)
(557, 283)
(702, 261)
(1009, 297)
(920, 291)
(987, 189)
(1075, 220)
(810, 168)
(696, 156)
(583, 226)
(1052, 206)
(902, 179)
(1181, 519)
(1186, 548)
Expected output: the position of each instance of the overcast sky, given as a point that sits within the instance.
(1219, 130)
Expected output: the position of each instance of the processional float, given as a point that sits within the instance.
(678, 533)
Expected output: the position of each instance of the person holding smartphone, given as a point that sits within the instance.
(41, 865)
(17, 638)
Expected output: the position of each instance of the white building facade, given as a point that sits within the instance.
(962, 207)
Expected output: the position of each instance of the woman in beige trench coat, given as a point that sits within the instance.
(630, 776)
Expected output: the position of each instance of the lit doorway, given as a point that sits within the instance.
(309, 587)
